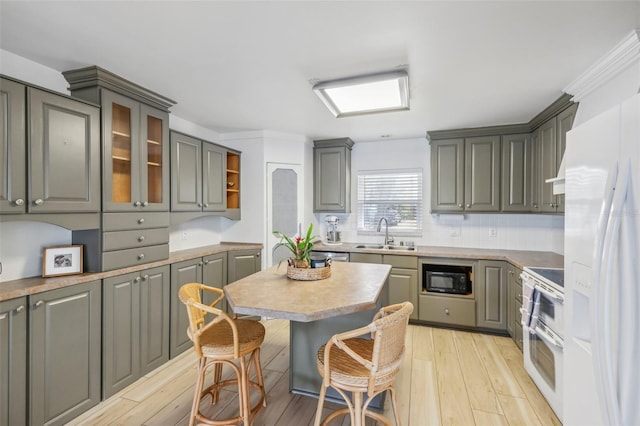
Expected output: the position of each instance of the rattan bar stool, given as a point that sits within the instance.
(350, 363)
(223, 341)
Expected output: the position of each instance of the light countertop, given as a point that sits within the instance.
(34, 285)
(518, 258)
(352, 287)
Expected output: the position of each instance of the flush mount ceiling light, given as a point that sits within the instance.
(366, 94)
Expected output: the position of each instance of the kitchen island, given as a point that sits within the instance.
(348, 299)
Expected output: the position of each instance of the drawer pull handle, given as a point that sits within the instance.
(141, 238)
(38, 202)
(20, 308)
(145, 204)
(137, 204)
(19, 202)
(141, 256)
(446, 311)
(141, 220)
(39, 303)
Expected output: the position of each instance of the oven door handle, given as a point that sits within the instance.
(548, 338)
(555, 296)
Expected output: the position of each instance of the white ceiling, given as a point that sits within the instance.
(248, 65)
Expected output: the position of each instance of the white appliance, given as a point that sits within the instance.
(602, 269)
(543, 337)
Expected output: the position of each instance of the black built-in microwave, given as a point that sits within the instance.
(452, 279)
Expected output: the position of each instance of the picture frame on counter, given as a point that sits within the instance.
(62, 260)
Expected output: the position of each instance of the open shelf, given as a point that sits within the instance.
(233, 178)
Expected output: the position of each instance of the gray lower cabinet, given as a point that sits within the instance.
(198, 175)
(332, 175)
(242, 263)
(136, 326)
(58, 169)
(491, 294)
(403, 278)
(514, 326)
(13, 362)
(516, 173)
(210, 270)
(64, 353)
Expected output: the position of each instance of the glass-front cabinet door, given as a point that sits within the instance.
(121, 183)
(136, 144)
(155, 154)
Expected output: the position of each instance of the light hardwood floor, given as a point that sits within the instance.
(448, 378)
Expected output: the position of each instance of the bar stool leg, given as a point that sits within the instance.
(217, 377)
(196, 397)
(323, 392)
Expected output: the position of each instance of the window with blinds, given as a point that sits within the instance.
(394, 194)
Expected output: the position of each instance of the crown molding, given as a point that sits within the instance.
(615, 61)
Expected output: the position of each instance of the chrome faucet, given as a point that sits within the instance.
(387, 239)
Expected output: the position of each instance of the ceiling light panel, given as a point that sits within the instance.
(365, 94)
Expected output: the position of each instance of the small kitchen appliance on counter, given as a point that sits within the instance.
(333, 235)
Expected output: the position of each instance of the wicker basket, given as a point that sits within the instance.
(308, 274)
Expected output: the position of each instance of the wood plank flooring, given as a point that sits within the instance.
(449, 377)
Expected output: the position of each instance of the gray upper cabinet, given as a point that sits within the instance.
(136, 155)
(13, 362)
(465, 175)
(332, 175)
(516, 173)
(58, 169)
(13, 185)
(491, 295)
(482, 174)
(64, 353)
(447, 175)
(550, 144)
(198, 175)
(64, 154)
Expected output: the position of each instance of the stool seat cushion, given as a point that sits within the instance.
(217, 341)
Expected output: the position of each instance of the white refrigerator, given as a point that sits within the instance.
(602, 269)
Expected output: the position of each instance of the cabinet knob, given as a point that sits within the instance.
(206, 262)
(446, 311)
(141, 238)
(136, 280)
(535, 206)
(199, 204)
(19, 202)
(136, 204)
(468, 205)
(20, 308)
(145, 203)
(199, 263)
(145, 277)
(460, 205)
(257, 254)
(206, 204)
(141, 220)
(38, 202)
(141, 256)
(39, 303)
(551, 205)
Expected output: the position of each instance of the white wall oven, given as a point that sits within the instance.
(543, 331)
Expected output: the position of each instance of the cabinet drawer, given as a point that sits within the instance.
(448, 310)
(407, 262)
(135, 256)
(126, 221)
(118, 240)
(365, 258)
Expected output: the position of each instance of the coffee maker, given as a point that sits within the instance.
(333, 235)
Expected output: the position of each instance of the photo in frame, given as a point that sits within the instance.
(62, 260)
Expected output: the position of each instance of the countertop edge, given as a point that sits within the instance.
(34, 285)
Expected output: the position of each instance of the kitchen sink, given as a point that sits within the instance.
(381, 247)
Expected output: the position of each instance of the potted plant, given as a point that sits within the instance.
(299, 247)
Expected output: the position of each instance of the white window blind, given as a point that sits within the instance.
(394, 194)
